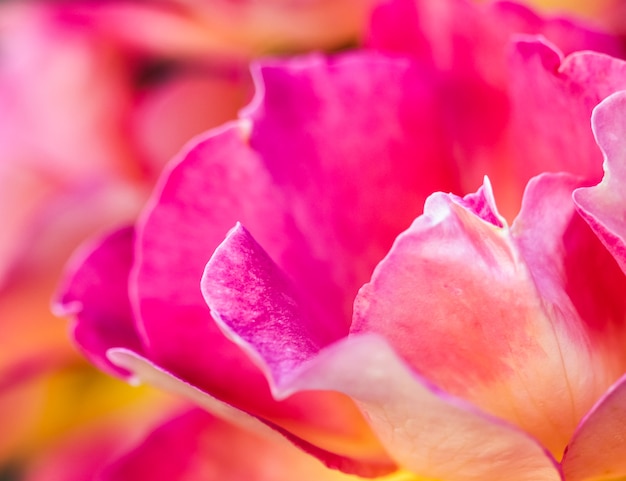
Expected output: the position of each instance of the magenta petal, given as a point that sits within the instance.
(260, 310)
(283, 171)
(95, 294)
(255, 304)
(597, 448)
(603, 206)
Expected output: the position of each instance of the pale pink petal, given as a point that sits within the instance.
(603, 206)
(196, 445)
(597, 448)
(95, 294)
(485, 312)
(430, 433)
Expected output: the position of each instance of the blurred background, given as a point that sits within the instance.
(95, 98)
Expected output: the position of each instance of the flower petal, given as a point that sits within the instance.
(502, 330)
(195, 445)
(596, 450)
(95, 294)
(427, 432)
(602, 206)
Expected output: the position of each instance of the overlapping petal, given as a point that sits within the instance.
(427, 432)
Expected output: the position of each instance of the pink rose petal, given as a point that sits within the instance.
(597, 448)
(95, 293)
(602, 206)
(499, 316)
(240, 269)
(426, 432)
(495, 110)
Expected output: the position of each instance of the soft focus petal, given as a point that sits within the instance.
(95, 292)
(603, 206)
(190, 28)
(79, 453)
(213, 449)
(272, 25)
(502, 330)
(596, 450)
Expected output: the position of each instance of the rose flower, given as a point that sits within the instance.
(355, 309)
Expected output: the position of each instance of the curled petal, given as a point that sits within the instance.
(427, 432)
(602, 206)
